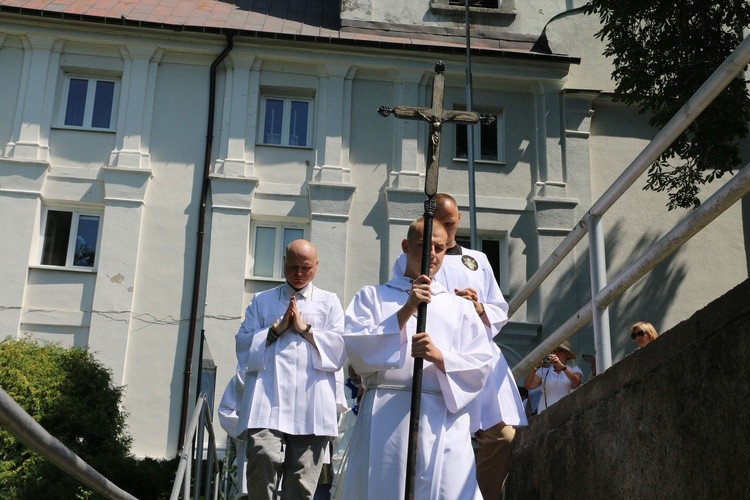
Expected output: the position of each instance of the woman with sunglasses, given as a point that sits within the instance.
(642, 333)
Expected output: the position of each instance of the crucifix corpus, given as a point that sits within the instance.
(435, 116)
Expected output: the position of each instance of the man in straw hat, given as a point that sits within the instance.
(553, 374)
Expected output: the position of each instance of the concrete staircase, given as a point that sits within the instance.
(671, 420)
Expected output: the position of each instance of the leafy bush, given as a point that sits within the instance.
(72, 396)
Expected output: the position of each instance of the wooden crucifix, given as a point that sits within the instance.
(435, 116)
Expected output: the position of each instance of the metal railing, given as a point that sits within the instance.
(604, 294)
(194, 445)
(20, 424)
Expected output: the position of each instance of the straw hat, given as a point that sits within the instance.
(565, 346)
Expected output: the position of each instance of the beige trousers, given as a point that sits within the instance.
(493, 459)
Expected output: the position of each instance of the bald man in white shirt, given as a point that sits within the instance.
(290, 347)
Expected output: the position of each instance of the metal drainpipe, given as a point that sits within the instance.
(199, 243)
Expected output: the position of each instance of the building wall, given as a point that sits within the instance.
(515, 16)
(353, 191)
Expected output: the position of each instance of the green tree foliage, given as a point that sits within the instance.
(663, 51)
(72, 396)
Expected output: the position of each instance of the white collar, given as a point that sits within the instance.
(286, 291)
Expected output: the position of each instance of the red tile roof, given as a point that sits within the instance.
(317, 19)
(287, 16)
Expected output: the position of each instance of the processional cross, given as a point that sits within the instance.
(435, 116)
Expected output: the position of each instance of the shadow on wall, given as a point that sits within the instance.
(647, 300)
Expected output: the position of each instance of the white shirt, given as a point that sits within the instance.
(500, 399)
(230, 399)
(228, 419)
(555, 385)
(290, 385)
(471, 269)
(381, 353)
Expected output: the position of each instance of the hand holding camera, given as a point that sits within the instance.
(552, 360)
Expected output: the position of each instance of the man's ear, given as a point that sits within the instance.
(405, 246)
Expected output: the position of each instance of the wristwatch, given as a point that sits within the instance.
(307, 330)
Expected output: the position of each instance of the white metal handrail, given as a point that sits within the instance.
(28, 431)
(712, 87)
(194, 442)
(726, 196)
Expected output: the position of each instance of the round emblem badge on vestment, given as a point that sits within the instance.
(470, 262)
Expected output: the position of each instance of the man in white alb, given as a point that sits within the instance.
(290, 346)
(468, 274)
(381, 340)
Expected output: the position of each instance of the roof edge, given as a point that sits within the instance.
(415, 46)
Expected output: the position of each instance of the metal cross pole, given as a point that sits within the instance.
(435, 116)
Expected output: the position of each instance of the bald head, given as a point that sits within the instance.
(446, 211)
(300, 263)
(443, 200)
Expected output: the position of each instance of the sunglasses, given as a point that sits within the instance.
(639, 333)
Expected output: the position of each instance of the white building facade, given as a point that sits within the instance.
(105, 162)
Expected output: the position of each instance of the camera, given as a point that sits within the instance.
(548, 358)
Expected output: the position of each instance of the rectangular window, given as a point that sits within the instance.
(287, 121)
(89, 102)
(496, 250)
(487, 4)
(268, 247)
(488, 9)
(70, 239)
(488, 140)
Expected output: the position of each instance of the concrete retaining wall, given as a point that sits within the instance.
(671, 420)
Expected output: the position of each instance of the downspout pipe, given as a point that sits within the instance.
(197, 285)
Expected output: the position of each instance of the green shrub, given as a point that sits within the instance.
(72, 396)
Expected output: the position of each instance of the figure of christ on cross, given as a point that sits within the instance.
(435, 116)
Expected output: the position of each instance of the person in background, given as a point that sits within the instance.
(354, 386)
(228, 418)
(642, 333)
(290, 347)
(524, 392)
(555, 376)
(323, 491)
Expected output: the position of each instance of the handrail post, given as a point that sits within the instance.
(598, 272)
(199, 439)
(188, 471)
(209, 456)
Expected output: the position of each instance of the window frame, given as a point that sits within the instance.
(89, 102)
(505, 9)
(476, 4)
(503, 265)
(287, 100)
(278, 251)
(500, 139)
(76, 215)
